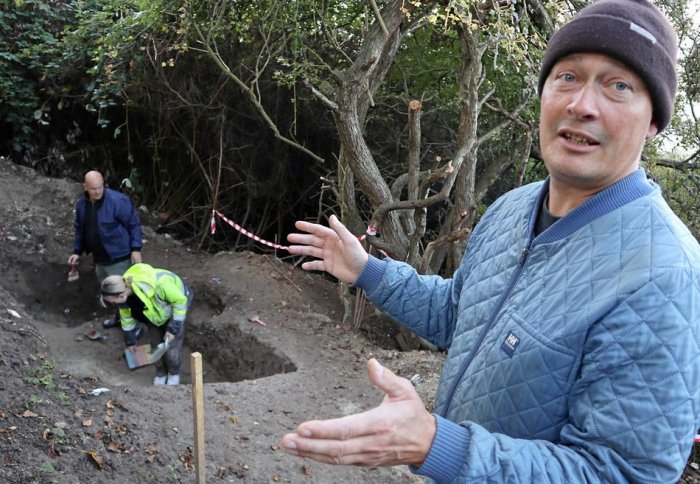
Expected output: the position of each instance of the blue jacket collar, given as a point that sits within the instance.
(622, 192)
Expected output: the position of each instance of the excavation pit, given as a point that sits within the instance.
(67, 312)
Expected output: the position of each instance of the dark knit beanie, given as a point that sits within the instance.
(635, 33)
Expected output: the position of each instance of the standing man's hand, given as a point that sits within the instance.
(73, 259)
(399, 431)
(338, 251)
(136, 257)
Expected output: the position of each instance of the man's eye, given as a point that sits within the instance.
(568, 77)
(621, 86)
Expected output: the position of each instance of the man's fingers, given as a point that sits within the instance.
(311, 228)
(393, 386)
(345, 235)
(357, 451)
(304, 226)
(314, 265)
(336, 228)
(361, 424)
(309, 250)
(399, 431)
(305, 239)
(310, 242)
(343, 428)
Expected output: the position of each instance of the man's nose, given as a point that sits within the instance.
(584, 103)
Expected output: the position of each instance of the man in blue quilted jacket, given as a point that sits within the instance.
(573, 321)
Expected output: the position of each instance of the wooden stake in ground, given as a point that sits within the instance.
(198, 407)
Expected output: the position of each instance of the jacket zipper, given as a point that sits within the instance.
(465, 364)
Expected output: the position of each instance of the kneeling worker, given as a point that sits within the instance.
(159, 299)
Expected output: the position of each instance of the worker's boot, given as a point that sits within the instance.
(110, 323)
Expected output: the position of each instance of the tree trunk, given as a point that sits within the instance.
(354, 97)
(464, 209)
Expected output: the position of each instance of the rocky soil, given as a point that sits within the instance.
(274, 354)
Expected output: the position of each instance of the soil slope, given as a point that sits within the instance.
(260, 380)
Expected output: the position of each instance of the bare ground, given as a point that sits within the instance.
(260, 381)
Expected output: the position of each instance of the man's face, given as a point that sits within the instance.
(115, 300)
(95, 188)
(595, 116)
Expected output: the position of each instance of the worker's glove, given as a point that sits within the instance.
(131, 337)
(174, 327)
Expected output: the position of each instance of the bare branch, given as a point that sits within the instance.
(378, 15)
(686, 165)
(540, 17)
(486, 96)
(446, 171)
(212, 50)
(510, 117)
(414, 137)
(455, 236)
(322, 97)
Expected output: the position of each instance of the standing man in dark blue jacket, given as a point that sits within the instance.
(106, 225)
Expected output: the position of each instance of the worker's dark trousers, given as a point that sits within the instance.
(170, 363)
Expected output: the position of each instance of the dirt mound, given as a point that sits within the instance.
(275, 354)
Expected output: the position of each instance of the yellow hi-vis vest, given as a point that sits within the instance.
(161, 291)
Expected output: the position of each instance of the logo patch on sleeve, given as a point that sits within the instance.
(510, 344)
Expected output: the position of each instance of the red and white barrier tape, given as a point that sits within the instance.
(370, 231)
(212, 230)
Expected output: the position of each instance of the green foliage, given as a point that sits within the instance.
(109, 42)
(682, 136)
(43, 376)
(45, 380)
(300, 39)
(47, 468)
(63, 398)
(86, 54)
(682, 191)
(500, 25)
(29, 42)
(31, 401)
(59, 435)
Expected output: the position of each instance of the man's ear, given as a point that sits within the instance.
(653, 129)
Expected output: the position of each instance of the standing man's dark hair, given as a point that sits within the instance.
(106, 225)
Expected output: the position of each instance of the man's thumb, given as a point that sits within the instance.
(384, 379)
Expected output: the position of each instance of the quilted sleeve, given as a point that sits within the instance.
(633, 409)
(426, 304)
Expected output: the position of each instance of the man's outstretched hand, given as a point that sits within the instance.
(337, 251)
(399, 431)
